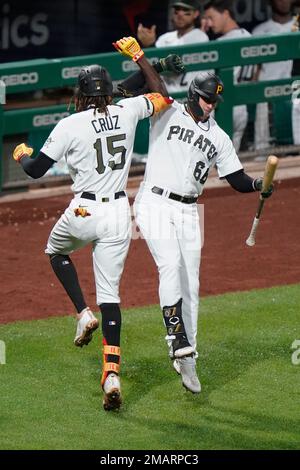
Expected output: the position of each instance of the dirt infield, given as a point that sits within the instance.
(30, 290)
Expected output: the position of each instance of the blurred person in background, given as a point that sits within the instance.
(296, 98)
(280, 22)
(219, 16)
(185, 16)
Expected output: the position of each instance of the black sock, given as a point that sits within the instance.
(65, 271)
(111, 327)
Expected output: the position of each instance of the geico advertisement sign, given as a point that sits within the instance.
(200, 57)
(48, 119)
(279, 90)
(187, 59)
(71, 72)
(28, 78)
(130, 66)
(259, 51)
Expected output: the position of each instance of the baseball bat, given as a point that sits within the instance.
(270, 169)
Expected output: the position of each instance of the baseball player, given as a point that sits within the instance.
(97, 143)
(281, 22)
(221, 18)
(184, 15)
(296, 97)
(185, 142)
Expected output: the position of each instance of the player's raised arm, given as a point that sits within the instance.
(135, 84)
(34, 167)
(129, 47)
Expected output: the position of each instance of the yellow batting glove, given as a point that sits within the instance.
(159, 102)
(21, 150)
(129, 47)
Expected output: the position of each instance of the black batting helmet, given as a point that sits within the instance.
(207, 85)
(95, 81)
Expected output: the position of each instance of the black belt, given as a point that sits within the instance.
(175, 197)
(92, 196)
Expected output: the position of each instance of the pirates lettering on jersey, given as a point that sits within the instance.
(106, 123)
(187, 135)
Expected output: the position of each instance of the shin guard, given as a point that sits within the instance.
(111, 330)
(110, 365)
(176, 334)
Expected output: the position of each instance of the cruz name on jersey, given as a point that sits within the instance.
(107, 123)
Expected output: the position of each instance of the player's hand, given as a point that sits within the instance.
(172, 63)
(21, 150)
(129, 47)
(159, 102)
(146, 36)
(205, 24)
(296, 24)
(258, 184)
(123, 92)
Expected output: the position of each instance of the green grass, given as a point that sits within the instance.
(51, 398)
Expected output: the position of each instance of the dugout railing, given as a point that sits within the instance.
(29, 76)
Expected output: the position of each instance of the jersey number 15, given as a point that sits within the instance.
(112, 150)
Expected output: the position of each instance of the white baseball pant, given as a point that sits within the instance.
(108, 229)
(296, 121)
(172, 232)
(240, 119)
(262, 126)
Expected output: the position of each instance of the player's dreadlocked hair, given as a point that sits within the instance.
(99, 103)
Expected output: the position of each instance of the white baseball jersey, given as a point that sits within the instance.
(274, 70)
(181, 152)
(269, 71)
(177, 83)
(98, 147)
(241, 74)
(98, 150)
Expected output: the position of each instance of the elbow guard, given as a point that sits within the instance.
(158, 101)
